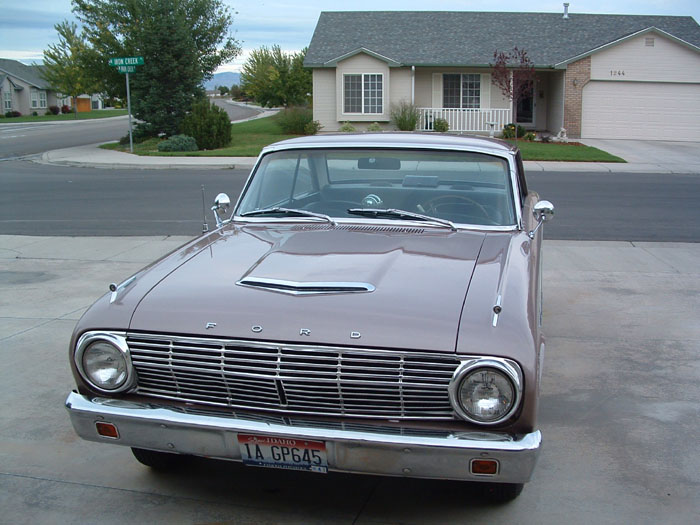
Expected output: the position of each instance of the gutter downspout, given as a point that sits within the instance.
(413, 85)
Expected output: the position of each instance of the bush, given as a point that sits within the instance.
(441, 125)
(13, 114)
(35, 114)
(374, 126)
(405, 116)
(65, 109)
(208, 124)
(529, 136)
(347, 127)
(55, 110)
(178, 143)
(141, 133)
(510, 129)
(295, 119)
(312, 127)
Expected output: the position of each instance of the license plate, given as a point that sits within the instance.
(286, 453)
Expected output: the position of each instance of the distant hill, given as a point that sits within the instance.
(227, 79)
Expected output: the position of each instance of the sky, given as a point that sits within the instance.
(26, 28)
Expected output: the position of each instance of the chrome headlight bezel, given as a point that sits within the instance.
(506, 367)
(118, 341)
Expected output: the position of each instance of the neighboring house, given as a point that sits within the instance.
(23, 89)
(597, 76)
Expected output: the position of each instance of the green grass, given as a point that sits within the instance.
(89, 115)
(248, 138)
(564, 152)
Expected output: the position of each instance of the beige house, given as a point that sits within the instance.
(597, 76)
(23, 89)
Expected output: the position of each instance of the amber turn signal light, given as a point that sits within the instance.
(107, 430)
(484, 466)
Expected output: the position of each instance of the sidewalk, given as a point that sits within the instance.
(93, 157)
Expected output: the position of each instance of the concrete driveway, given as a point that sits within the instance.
(678, 157)
(619, 407)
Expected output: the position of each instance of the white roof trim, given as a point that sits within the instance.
(334, 61)
(651, 29)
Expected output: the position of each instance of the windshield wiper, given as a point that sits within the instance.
(288, 211)
(401, 214)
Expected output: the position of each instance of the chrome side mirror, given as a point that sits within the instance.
(220, 208)
(543, 212)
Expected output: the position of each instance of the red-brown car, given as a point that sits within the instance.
(371, 305)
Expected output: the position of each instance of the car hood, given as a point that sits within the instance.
(417, 284)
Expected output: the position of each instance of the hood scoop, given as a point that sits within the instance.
(305, 288)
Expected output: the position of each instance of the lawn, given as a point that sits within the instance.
(248, 138)
(88, 115)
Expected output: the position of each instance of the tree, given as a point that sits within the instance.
(514, 74)
(182, 41)
(223, 90)
(62, 68)
(274, 78)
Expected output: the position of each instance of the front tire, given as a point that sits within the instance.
(156, 460)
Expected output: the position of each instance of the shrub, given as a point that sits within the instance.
(312, 127)
(208, 124)
(141, 133)
(509, 131)
(35, 114)
(529, 136)
(374, 126)
(347, 127)
(13, 114)
(441, 125)
(405, 116)
(294, 120)
(55, 110)
(178, 143)
(65, 109)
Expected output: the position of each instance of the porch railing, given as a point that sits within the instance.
(472, 120)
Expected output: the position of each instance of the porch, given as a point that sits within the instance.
(466, 120)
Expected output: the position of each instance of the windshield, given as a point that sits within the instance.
(460, 187)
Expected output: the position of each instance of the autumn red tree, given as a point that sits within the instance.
(514, 74)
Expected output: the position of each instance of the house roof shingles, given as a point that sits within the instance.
(445, 38)
(30, 74)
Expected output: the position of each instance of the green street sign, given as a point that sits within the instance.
(126, 61)
(126, 69)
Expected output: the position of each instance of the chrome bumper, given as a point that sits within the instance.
(441, 455)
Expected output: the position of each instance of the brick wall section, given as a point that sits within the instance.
(578, 74)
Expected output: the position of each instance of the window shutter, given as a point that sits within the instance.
(485, 91)
(437, 90)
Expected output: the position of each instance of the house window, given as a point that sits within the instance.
(461, 91)
(35, 98)
(7, 100)
(42, 99)
(363, 93)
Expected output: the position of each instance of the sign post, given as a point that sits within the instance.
(127, 65)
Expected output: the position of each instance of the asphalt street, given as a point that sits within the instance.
(38, 199)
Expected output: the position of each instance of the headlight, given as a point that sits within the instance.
(103, 361)
(486, 391)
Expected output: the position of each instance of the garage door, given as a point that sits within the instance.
(641, 110)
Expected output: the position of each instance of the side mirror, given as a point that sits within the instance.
(543, 212)
(220, 208)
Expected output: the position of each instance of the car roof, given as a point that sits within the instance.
(395, 140)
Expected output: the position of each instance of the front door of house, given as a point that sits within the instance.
(525, 108)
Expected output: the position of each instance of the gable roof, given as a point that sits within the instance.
(459, 38)
(29, 74)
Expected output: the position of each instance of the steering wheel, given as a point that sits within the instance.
(331, 207)
(447, 204)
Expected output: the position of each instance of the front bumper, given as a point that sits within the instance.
(372, 450)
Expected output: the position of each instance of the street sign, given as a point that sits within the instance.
(126, 61)
(126, 69)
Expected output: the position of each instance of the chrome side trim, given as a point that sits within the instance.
(116, 288)
(431, 454)
(305, 288)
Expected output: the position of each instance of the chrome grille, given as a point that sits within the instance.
(294, 378)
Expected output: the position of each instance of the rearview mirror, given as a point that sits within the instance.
(220, 208)
(543, 212)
